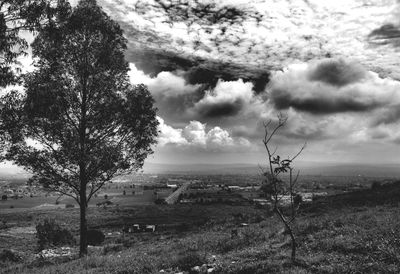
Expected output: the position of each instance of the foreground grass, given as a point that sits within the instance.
(353, 239)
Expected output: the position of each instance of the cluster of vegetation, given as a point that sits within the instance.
(78, 104)
(51, 234)
(354, 239)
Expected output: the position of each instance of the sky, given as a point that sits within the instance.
(219, 69)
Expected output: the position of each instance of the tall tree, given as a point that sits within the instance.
(17, 16)
(80, 121)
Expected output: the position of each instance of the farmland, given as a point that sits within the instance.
(336, 233)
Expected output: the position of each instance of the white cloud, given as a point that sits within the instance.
(169, 85)
(317, 89)
(326, 106)
(326, 114)
(137, 76)
(195, 133)
(227, 92)
(165, 84)
(169, 135)
(195, 136)
(289, 31)
(227, 99)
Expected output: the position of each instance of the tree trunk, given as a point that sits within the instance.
(82, 171)
(293, 255)
(289, 229)
(83, 226)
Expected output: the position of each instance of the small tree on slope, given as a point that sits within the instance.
(80, 122)
(276, 187)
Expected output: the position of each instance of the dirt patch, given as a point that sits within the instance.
(21, 230)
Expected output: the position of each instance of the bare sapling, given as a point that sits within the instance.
(282, 191)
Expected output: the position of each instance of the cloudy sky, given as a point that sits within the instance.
(219, 68)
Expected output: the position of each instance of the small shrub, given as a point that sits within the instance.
(258, 218)
(49, 234)
(95, 237)
(10, 256)
(112, 248)
(160, 202)
(189, 259)
(376, 185)
(4, 197)
(69, 206)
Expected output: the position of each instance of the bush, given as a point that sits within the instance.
(189, 259)
(4, 197)
(376, 185)
(49, 234)
(69, 206)
(95, 237)
(160, 202)
(10, 256)
(112, 248)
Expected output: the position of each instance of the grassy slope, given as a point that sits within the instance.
(349, 233)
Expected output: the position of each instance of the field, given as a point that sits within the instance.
(114, 195)
(348, 233)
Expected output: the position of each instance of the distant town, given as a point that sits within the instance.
(180, 189)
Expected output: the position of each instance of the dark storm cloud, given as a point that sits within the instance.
(211, 71)
(386, 34)
(196, 70)
(337, 72)
(194, 11)
(220, 109)
(282, 99)
(330, 86)
(153, 52)
(175, 107)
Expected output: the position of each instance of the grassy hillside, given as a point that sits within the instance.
(349, 233)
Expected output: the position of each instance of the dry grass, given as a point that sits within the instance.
(352, 239)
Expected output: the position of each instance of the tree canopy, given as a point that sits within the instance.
(80, 121)
(17, 16)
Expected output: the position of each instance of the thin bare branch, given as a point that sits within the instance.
(300, 151)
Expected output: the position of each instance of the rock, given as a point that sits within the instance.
(203, 268)
(54, 253)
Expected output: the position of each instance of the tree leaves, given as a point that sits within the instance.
(281, 166)
(17, 15)
(80, 121)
